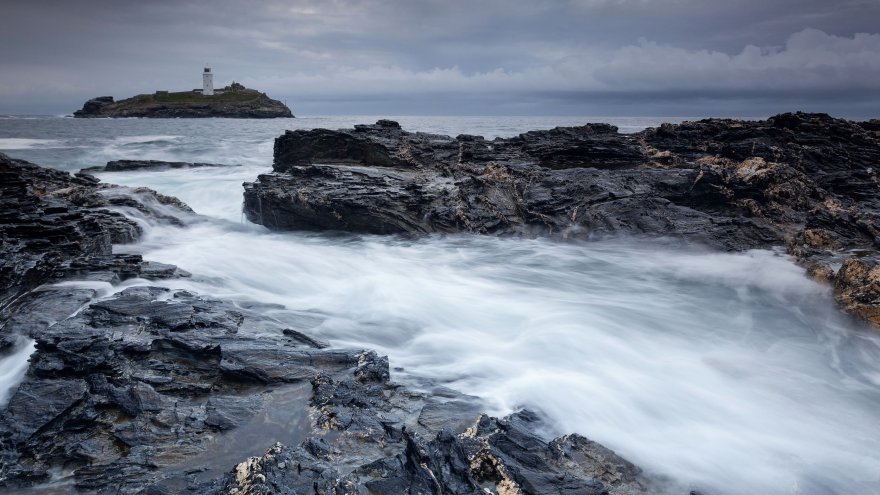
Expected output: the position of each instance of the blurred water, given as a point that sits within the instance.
(13, 367)
(732, 373)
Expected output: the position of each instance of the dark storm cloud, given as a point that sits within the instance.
(487, 56)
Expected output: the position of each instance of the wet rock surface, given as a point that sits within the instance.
(51, 221)
(125, 391)
(386, 444)
(805, 181)
(857, 287)
(492, 456)
(152, 390)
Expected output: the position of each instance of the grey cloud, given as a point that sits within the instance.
(810, 60)
(476, 56)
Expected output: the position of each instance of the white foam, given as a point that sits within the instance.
(149, 138)
(210, 190)
(13, 368)
(26, 144)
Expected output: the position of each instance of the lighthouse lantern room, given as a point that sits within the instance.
(207, 82)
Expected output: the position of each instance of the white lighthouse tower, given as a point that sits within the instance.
(207, 82)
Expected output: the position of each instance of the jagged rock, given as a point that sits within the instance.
(378, 453)
(806, 181)
(94, 106)
(839, 156)
(872, 125)
(50, 220)
(157, 374)
(591, 145)
(857, 287)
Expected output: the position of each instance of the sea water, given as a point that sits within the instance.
(731, 373)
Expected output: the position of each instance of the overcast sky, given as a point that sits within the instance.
(507, 57)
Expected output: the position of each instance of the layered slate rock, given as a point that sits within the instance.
(239, 103)
(806, 181)
(127, 390)
(51, 221)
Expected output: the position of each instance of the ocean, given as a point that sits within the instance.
(731, 373)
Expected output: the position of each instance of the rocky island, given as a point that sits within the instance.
(234, 101)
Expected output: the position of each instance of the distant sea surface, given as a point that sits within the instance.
(732, 373)
(71, 144)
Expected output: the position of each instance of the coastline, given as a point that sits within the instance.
(369, 375)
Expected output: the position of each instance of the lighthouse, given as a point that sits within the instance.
(207, 82)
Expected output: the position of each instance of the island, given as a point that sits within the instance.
(233, 101)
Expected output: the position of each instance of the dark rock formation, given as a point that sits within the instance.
(130, 388)
(129, 165)
(857, 287)
(807, 181)
(239, 103)
(160, 391)
(94, 106)
(50, 220)
(491, 456)
(393, 442)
